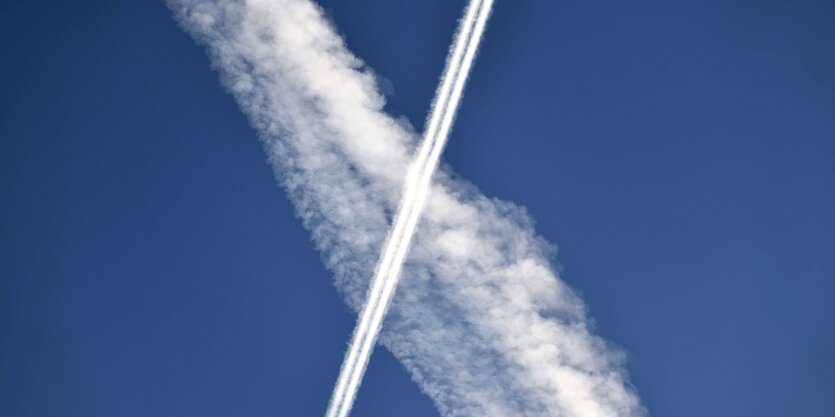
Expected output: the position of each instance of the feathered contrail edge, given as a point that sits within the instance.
(482, 321)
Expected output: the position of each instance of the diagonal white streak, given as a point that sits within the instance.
(416, 190)
(482, 320)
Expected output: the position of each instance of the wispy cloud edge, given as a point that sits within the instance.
(481, 320)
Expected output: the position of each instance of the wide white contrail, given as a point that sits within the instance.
(415, 191)
(482, 320)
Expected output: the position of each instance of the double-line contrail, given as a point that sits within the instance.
(415, 193)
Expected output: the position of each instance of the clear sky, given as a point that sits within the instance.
(682, 157)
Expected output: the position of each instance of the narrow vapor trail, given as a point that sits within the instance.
(416, 190)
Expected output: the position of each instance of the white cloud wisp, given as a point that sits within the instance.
(482, 321)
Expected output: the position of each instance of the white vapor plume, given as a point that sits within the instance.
(415, 192)
(482, 321)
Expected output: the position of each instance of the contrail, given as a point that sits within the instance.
(416, 189)
(483, 322)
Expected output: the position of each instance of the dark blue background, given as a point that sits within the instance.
(682, 156)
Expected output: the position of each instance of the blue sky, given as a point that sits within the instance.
(681, 156)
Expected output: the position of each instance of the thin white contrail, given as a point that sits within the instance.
(416, 190)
